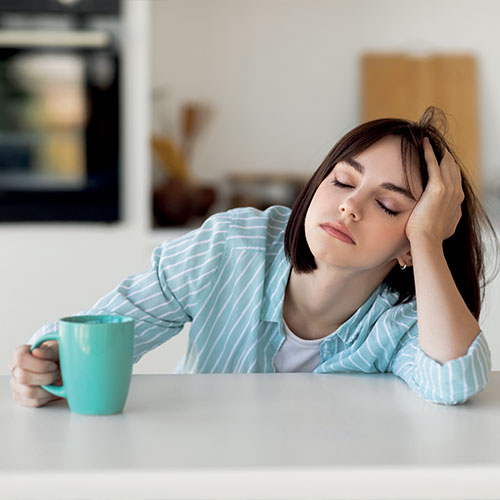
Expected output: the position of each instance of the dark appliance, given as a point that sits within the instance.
(59, 110)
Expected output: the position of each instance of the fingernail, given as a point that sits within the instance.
(52, 367)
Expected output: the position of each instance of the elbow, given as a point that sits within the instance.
(453, 398)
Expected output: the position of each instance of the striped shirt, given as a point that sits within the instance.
(228, 279)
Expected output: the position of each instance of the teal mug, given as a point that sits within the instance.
(96, 358)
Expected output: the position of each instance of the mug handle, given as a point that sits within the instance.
(57, 390)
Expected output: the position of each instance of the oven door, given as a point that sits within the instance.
(59, 126)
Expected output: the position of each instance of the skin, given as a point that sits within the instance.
(446, 326)
(316, 304)
(30, 370)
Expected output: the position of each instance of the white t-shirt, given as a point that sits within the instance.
(296, 354)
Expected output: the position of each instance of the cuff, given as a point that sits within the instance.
(454, 381)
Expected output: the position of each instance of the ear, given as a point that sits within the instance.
(405, 259)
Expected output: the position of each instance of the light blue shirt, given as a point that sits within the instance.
(228, 279)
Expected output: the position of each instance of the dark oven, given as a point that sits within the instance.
(59, 110)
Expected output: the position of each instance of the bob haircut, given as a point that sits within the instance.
(464, 250)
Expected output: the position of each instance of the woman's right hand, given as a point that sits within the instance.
(30, 370)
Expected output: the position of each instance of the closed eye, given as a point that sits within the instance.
(388, 211)
(392, 213)
(335, 182)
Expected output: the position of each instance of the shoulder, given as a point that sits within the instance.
(253, 228)
(238, 228)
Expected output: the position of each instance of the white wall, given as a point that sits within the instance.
(283, 76)
(283, 80)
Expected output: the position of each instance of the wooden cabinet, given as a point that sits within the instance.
(402, 86)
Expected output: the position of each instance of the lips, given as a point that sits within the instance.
(339, 231)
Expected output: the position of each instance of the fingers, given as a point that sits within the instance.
(452, 178)
(450, 170)
(29, 378)
(446, 174)
(31, 396)
(30, 371)
(431, 161)
(48, 350)
(39, 361)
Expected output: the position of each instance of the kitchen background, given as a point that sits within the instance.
(220, 103)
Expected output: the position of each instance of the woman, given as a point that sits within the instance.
(387, 221)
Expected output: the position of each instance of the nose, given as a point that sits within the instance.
(350, 209)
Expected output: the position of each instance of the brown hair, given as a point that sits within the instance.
(464, 250)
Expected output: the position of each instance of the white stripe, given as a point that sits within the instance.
(369, 348)
(377, 336)
(250, 227)
(187, 259)
(132, 279)
(106, 305)
(355, 364)
(465, 385)
(194, 280)
(450, 382)
(270, 343)
(141, 334)
(210, 303)
(149, 341)
(426, 375)
(438, 369)
(169, 313)
(241, 236)
(184, 250)
(142, 289)
(482, 364)
(278, 287)
(190, 269)
(409, 363)
(149, 298)
(235, 303)
(363, 358)
(239, 364)
(196, 291)
(163, 304)
(243, 332)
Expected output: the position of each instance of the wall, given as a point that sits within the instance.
(283, 76)
(283, 81)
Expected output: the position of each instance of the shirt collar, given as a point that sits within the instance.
(274, 287)
(350, 329)
(274, 294)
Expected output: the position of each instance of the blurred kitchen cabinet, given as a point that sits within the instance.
(402, 86)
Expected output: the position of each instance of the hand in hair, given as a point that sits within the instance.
(438, 211)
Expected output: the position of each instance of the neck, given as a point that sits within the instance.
(316, 304)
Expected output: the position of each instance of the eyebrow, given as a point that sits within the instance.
(389, 186)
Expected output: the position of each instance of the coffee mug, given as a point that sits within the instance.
(96, 359)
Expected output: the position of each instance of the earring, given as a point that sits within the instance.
(403, 267)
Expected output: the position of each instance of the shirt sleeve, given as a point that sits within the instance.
(450, 383)
(163, 299)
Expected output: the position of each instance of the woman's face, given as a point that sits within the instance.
(365, 197)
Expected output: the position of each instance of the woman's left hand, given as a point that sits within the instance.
(436, 215)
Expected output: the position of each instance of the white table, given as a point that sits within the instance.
(286, 436)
